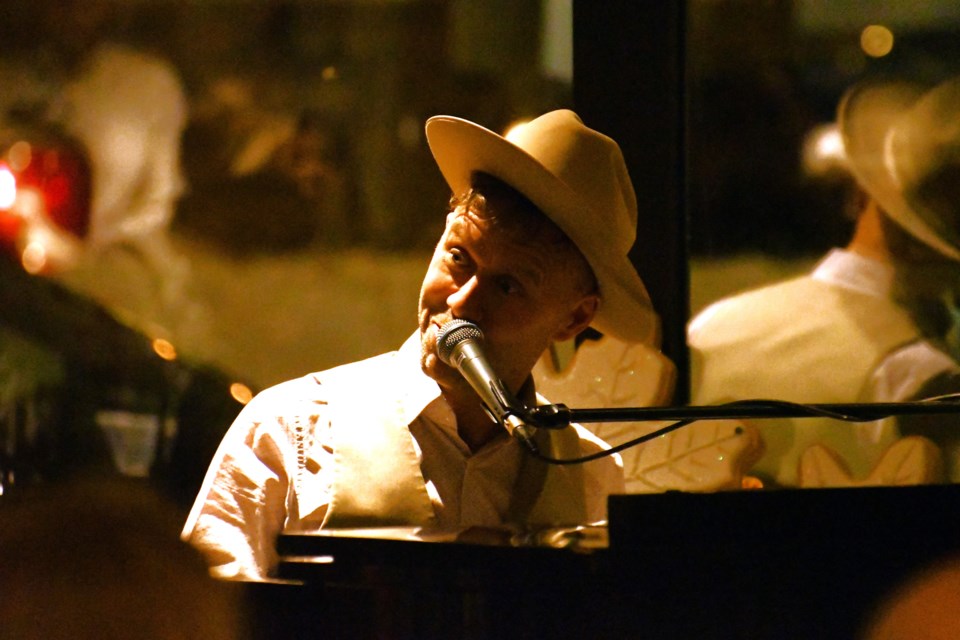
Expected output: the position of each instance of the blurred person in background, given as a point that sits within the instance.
(871, 322)
(126, 109)
(74, 96)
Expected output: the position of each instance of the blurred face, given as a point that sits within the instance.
(520, 294)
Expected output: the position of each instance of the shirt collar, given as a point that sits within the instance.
(844, 268)
(420, 394)
(418, 391)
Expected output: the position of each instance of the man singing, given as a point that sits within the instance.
(534, 251)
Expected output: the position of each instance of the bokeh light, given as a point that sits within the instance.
(241, 392)
(34, 258)
(876, 41)
(164, 349)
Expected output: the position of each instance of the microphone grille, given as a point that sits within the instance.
(452, 334)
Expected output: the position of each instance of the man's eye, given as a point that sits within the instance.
(457, 258)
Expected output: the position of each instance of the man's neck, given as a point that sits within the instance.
(474, 425)
(869, 238)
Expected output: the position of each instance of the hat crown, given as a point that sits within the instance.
(591, 165)
(902, 142)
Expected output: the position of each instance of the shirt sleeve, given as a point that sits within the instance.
(247, 496)
(903, 373)
(912, 372)
(926, 372)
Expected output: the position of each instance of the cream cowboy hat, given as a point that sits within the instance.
(578, 178)
(902, 143)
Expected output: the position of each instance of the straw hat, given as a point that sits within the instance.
(578, 178)
(902, 142)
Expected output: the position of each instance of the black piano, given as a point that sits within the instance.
(804, 564)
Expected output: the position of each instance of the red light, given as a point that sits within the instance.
(45, 189)
(62, 175)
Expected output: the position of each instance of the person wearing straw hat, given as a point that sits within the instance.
(869, 323)
(534, 251)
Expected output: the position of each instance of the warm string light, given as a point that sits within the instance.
(876, 40)
(164, 349)
(241, 392)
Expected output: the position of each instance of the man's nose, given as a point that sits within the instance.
(464, 302)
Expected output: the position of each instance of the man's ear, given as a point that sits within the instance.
(579, 318)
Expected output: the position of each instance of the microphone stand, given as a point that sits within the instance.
(559, 416)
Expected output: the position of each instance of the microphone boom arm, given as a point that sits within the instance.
(558, 416)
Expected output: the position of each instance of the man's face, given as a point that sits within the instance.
(520, 294)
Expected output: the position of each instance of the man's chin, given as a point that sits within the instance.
(442, 374)
(446, 377)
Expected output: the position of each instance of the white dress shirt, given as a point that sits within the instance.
(261, 483)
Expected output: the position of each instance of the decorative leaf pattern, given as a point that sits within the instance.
(607, 373)
(908, 461)
(708, 455)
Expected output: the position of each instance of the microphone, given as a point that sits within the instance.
(459, 344)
